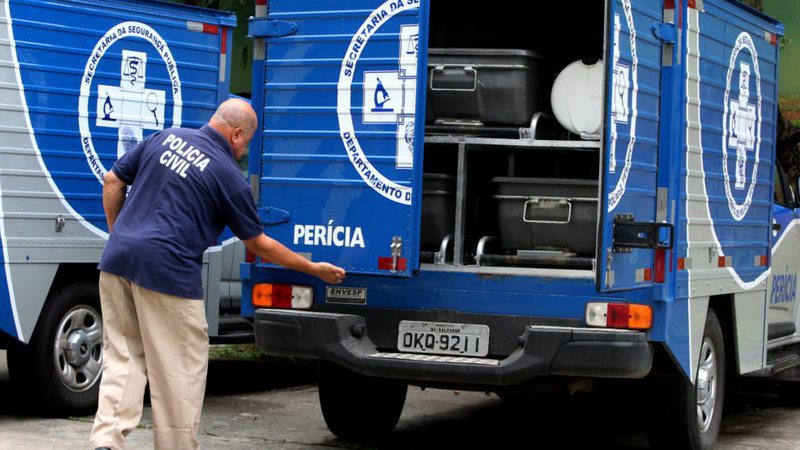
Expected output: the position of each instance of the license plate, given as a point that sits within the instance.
(443, 338)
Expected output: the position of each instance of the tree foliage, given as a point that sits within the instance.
(757, 4)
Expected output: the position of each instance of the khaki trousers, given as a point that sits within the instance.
(149, 336)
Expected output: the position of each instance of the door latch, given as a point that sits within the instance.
(629, 234)
(61, 222)
(665, 32)
(272, 216)
(397, 250)
(260, 27)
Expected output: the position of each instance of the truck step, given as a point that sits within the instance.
(782, 359)
(437, 358)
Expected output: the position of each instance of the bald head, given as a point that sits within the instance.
(236, 121)
(236, 113)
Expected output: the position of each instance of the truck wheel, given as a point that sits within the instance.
(790, 392)
(358, 407)
(62, 364)
(689, 415)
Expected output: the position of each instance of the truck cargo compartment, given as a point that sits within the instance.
(525, 189)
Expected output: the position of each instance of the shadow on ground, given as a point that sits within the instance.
(611, 417)
(225, 376)
(238, 376)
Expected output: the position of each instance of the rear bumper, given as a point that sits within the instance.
(542, 350)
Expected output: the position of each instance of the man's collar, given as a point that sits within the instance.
(213, 134)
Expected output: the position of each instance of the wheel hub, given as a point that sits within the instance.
(78, 346)
(706, 385)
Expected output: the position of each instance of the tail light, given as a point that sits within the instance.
(619, 315)
(283, 296)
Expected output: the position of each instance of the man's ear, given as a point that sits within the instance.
(238, 134)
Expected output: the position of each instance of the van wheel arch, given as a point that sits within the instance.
(686, 414)
(60, 367)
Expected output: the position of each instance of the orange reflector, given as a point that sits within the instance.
(721, 261)
(763, 260)
(681, 263)
(262, 295)
(640, 317)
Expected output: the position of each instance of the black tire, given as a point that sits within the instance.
(790, 393)
(63, 378)
(679, 420)
(356, 407)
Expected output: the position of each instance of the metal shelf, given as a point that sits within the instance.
(505, 142)
(466, 143)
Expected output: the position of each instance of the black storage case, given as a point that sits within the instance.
(438, 209)
(569, 204)
(486, 86)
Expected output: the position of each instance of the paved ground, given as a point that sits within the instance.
(273, 405)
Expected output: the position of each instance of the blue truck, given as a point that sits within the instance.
(82, 81)
(525, 200)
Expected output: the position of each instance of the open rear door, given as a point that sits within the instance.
(628, 194)
(340, 178)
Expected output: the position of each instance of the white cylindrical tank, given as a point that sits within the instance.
(577, 98)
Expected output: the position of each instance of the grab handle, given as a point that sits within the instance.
(547, 204)
(467, 69)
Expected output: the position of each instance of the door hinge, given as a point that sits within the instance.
(260, 27)
(629, 234)
(664, 31)
(272, 216)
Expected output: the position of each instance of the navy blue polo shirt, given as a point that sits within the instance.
(185, 187)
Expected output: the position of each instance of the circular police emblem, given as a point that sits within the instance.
(128, 105)
(741, 126)
(388, 99)
(624, 101)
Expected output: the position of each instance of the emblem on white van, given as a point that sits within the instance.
(129, 106)
(741, 124)
(389, 98)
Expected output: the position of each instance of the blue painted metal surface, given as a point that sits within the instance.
(464, 292)
(783, 216)
(338, 104)
(633, 95)
(88, 80)
(68, 50)
(739, 115)
(705, 211)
